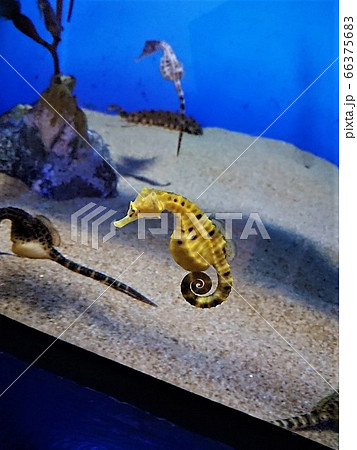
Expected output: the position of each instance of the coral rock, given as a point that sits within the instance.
(52, 159)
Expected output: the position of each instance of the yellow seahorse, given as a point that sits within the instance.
(196, 244)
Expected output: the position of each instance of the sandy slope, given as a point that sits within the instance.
(231, 353)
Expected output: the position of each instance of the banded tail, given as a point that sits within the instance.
(160, 118)
(196, 284)
(182, 113)
(57, 257)
(326, 411)
(35, 237)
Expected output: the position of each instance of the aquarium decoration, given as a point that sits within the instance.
(171, 69)
(196, 244)
(35, 237)
(160, 118)
(48, 145)
(325, 414)
(11, 10)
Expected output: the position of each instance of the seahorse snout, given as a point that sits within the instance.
(124, 221)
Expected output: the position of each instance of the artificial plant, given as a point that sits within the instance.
(11, 10)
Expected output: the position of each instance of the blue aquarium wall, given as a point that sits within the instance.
(245, 62)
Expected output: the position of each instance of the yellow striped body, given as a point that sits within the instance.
(196, 243)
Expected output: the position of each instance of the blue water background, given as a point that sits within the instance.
(245, 62)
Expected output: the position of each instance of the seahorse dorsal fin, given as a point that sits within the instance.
(54, 233)
(230, 244)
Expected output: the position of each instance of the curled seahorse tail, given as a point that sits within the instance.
(57, 256)
(196, 284)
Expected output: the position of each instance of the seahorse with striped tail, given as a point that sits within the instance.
(196, 244)
(35, 237)
(171, 69)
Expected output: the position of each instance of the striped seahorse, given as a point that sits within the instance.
(171, 69)
(35, 237)
(326, 411)
(196, 244)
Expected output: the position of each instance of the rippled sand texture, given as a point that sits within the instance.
(271, 349)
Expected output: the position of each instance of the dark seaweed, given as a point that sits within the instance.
(11, 10)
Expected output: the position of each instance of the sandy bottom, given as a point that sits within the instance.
(271, 349)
